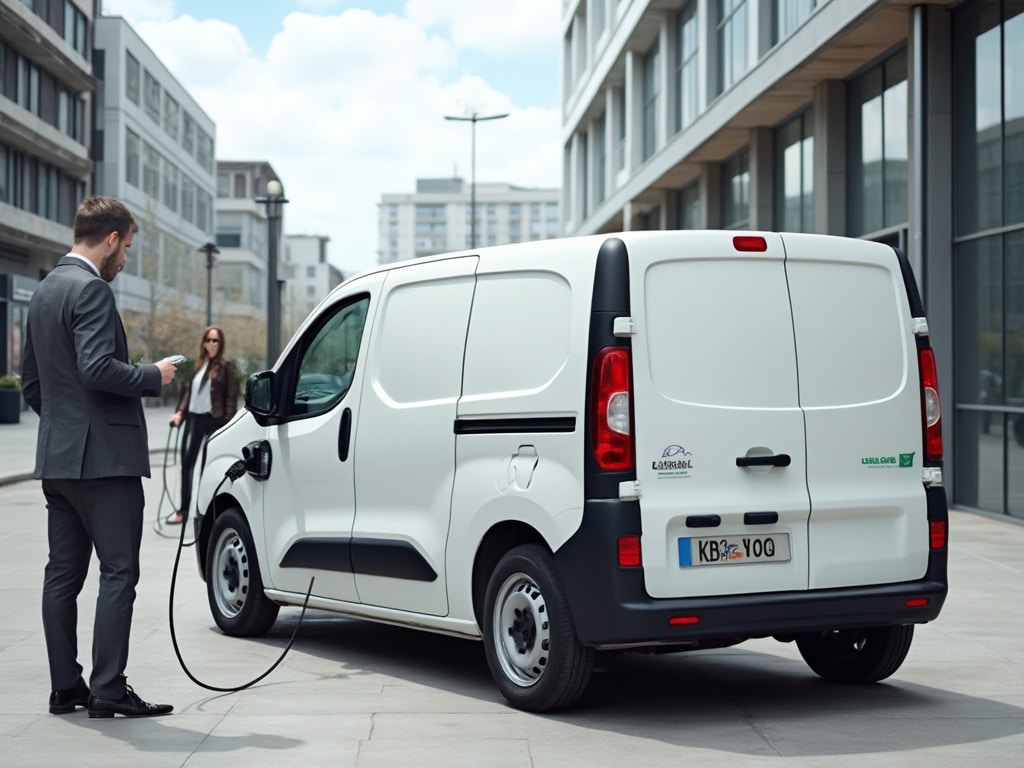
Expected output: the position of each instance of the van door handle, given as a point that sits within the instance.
(778, 460)
(344, 434)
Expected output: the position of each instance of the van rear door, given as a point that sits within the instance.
(720, 448)
(860, 391)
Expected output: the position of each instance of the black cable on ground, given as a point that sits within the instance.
(174, 638)
(169, 455)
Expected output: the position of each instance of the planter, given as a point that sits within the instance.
(10, 406)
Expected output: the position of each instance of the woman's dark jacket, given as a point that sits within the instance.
(223, 391)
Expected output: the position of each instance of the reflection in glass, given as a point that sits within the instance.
(794, 161)
(978, 469)
(1013, 105)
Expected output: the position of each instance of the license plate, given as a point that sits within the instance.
(733, 550)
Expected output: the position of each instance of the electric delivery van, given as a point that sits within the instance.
(661, 441)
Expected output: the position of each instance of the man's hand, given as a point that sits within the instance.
(167, 371)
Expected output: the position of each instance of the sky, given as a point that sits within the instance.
(346, 100)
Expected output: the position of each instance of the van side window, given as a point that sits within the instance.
(329, 360)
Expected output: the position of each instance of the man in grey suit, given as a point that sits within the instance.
(91, 455)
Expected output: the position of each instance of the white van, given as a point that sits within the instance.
(646, 440)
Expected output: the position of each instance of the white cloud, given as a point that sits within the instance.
(495, 27)
(350, 106)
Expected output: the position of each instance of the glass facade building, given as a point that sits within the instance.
(882, 120)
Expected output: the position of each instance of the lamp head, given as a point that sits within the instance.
(274, 188)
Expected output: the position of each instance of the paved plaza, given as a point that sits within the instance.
(353, 693)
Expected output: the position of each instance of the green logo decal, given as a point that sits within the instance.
(905, 460)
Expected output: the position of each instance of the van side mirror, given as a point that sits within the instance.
(259, 394)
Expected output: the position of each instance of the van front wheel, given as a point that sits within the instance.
(529, 639)
(856, 655)
(233, 584)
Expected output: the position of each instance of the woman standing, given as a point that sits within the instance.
(206, 404)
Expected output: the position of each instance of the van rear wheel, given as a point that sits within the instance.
(856, 655)
(529, 638)
(234, 587)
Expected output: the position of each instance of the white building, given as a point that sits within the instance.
(312, 277)
(154, 150)
(436, 217)
(240, 279)
(896, 121)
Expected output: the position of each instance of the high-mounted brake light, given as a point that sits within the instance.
(748, 243)
(611, 420)
(931, 414)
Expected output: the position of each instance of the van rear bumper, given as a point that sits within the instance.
(611, 609)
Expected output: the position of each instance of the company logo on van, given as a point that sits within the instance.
(675, 461)
(903, 461)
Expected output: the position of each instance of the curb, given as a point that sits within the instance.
(21, 477)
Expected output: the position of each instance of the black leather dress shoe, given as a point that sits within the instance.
(129, 705)
(63, 702)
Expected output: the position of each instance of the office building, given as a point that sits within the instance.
(153, 148)
(894, 121)
(436, 217)
(312, 277)
(46, 87)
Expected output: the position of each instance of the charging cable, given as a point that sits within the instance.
(234, 472)
(170, 460)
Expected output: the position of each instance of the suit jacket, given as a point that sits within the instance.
(223, 392)
(77, 377)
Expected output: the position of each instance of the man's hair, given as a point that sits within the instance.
(97, 217)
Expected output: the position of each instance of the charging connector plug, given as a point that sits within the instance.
(235, 471)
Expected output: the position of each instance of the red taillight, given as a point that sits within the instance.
(676, 621)
(750, 243)
(931, 415)
(629, 551)
(611, 424)
(937, 534)
(917, 602)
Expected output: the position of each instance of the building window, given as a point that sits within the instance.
(733, 54)
(788, 15)
(188, 199)
(223, 185)
(131, 158)
(878, 148)
(651, 90)
(172, 116)
(620, 124)
(170, 185)
(988, 257)
(689, 207)
(150, 171)
(188, 133)
(794, 175)
(241, 188)
(27, 94)
(153, 93)
(736, 191)
(687, 66)
(132, 78)
(989, 129)
(74, 27)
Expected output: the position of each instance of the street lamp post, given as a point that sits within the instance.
(209, 249)
(274, 202)
(473, 119)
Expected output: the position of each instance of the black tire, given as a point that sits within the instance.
(529, 638)
(857, 656)
(234, 587)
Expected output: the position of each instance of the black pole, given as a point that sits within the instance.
(473, 119)
(274, 201)
(209, 249)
